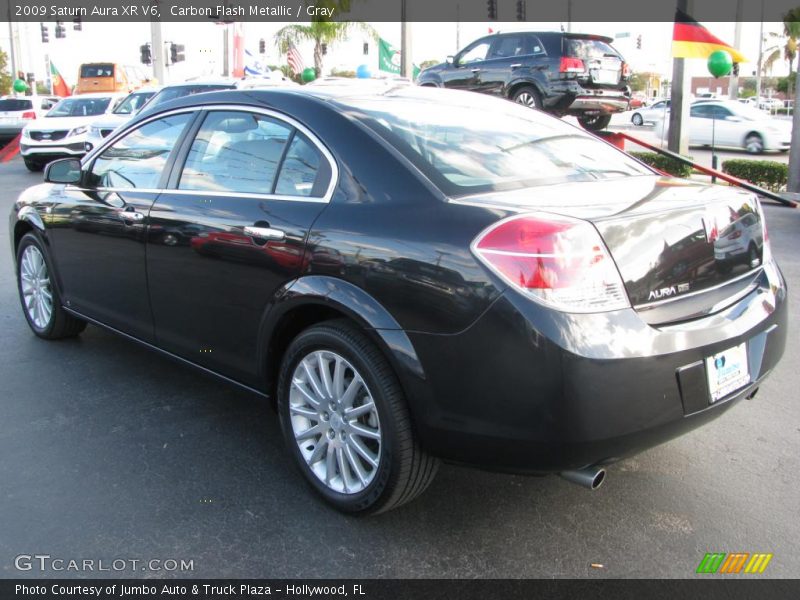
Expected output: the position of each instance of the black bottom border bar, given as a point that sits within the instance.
(713, 587)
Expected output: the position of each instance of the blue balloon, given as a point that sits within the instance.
(363, 72)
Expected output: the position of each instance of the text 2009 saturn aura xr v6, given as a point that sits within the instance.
(411, 275)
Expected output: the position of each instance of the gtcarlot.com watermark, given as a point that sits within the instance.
(45, 563)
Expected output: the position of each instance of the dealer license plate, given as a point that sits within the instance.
(727, 371)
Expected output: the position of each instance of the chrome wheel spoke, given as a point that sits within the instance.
(35, 286)
(360, 430)
(353, 413)
(335, 422)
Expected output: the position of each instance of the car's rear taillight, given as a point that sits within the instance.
(29, 114)
(571, 65)
(626, 69)
(558, 261)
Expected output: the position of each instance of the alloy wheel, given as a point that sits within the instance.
(36, 289)
(754, 144)
(335, 422)
(526, 99)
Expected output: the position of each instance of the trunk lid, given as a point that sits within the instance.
(683, 249)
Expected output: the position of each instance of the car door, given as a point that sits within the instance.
(464, 73)
(508, 54)
(699, 124)
(728, 128)
(230, 231)
(99, 227)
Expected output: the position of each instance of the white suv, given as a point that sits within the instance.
(62, 132)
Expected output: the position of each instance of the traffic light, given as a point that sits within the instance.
(639, 42)
(521, 10)
(145, 55)
(45, 33)
(262, 46)
(76, 24)
(491, 8)
(61, 31)
(366, 49)
(176, 53)
(324, 49)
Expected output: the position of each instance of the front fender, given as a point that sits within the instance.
(353, 302)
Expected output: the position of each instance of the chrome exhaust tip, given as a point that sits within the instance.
(590, 477)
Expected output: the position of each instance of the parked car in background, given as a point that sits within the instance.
(651, 114)
(390, 270)
(18, 111)
(126, 109)
(561, 73)
(770, 103)
(187, 88)
(732, 124)
(64, 129)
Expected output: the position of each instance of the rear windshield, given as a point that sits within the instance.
(15, 104)
(80, 107)
(588, 48)
(168, 94)
(463, 152)
(98, 70)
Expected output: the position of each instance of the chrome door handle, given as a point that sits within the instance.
(475, 70)
(132, 216)
(265, 233)
(516, 65)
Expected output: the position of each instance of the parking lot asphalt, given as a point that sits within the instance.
(109, 451)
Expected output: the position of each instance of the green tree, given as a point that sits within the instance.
(5, 77)
(321, 31)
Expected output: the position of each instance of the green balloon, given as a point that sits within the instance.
(20, 85)
(720, 63)
(309, 75)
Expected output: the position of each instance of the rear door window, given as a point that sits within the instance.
(235, 152)
(509, 47)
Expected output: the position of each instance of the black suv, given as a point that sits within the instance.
(562, 73)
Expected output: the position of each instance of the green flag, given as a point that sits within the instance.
(389, 58)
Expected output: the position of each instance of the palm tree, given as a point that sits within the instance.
(322, 32)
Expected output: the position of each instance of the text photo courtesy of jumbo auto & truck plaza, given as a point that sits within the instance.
(399, 299)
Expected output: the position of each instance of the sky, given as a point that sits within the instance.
(119, 42)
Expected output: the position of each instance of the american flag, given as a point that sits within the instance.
(295, 60)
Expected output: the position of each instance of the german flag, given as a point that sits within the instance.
(692, 40)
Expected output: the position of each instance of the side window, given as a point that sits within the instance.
(534, 45)
(235, 152)
(474, 53)
(300, 168)
(701, 111)
(508, 47)
(138, 159)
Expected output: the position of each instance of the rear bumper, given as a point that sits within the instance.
(563, 391)
(568, 96)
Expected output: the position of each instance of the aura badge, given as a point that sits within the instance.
(734, 563)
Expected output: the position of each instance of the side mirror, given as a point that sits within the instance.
(450, 60)
(65, 170)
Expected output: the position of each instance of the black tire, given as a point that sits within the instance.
(595, 122)
(527, 95)
(404, 470)
(637, 119)
(61, 324)
(33, 165)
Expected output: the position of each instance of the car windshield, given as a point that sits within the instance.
(98, 70)
(15, 104)
(80, 107)
(133, 103)
(168, 94)
(463, 152)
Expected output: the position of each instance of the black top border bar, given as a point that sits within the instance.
(551, 11)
